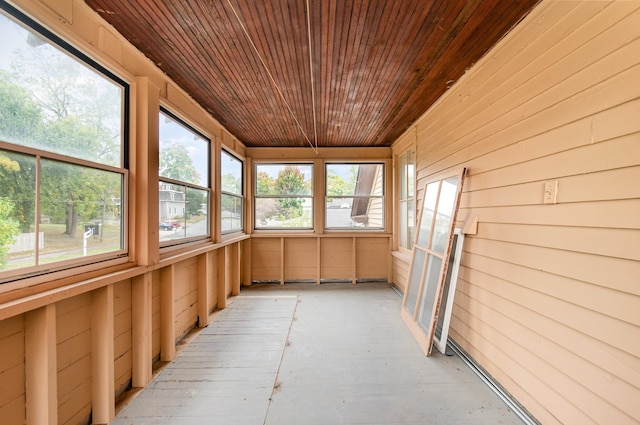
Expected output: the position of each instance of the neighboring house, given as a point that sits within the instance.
(171, 203)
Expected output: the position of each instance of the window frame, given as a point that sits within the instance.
(40, 154)
(355, 197)
(223, 192)
(404, 176)
(257, 196)
(186, 185)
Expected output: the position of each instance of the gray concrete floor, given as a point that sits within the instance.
(313, 355)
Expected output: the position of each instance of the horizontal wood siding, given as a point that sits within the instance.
(548, 293)
(400, 271)
(186, 295)
(265, 259)
(336, 258)
(122, 335)
(301, 259)
(73, 332)
(372, 258)
(12, 370)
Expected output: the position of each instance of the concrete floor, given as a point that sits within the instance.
(313, 355)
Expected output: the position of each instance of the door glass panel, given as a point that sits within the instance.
(414, 280)
(446, 202)
(434, 264)
(428, 208)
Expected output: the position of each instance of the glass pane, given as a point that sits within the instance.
(231, 172)
(56, 103)
(429, 292)
(411, 222)
(403, 176)
(414, 281)
(196, 218)
(80, 211)
(284, 179)
(231, 218)
(355, 180)
(411, 175)
(172, 203)
(445, 288)
(17, 211)
(283, 213)
(348, 213)
(428, 208)
(184, 154)
(444, 216)
(402, 224)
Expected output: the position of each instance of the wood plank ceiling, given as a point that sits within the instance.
(327, 73)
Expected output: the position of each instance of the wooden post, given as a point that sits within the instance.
(318, 260)
(235, 268)
(102, 355)
(282, 261)
(204, 279)
(141, 347)
(144, 162)
(354, 264)
(245, 260)
(167, 314)
(222, 278)
(41, 380)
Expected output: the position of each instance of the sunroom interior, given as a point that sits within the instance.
(480, 158)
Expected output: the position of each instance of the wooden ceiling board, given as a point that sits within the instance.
(359, 75)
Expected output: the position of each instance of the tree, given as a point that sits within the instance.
(290, 181)
(264, 184)
(21, 122)
(176, 164)
(52, 102)
(9, 228)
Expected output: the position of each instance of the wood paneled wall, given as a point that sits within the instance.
(72, 342)
(547, 298)
(319, 258)
(12, 370)
(73, 332)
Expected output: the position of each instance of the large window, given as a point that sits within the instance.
(231, 197)
(354, 196)
(283, 196)
(62, 153)
(406, 199)
(184, 181)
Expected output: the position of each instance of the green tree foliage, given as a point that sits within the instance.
(53, 103)
(175, 163)
(17, 179)
(21, 122)
(264, 184)
(9, 228)
(290, 181)
(20, 117)
(195, 200)
(230, 184)
(338, 186)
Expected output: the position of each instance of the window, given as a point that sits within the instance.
(62, 153)
(422, 298)
(354, 196)
(283, 196)
(406, 199)
(232, 192)
(184, 181)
